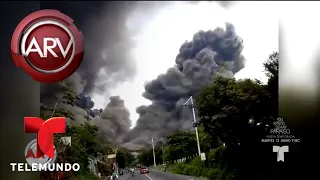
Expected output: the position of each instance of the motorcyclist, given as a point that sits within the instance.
(114, 176)
(132, 171)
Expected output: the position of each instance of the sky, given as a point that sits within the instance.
(169, 27)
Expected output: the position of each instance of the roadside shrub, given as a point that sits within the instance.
(197, 167)
(214, 174)
(193, 168)
(178, 168)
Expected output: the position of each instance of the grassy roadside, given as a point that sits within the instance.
(171, 169)
(195, 168)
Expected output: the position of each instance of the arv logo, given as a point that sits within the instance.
(47, 45)
(280, 150)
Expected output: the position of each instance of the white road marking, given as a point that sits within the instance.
(148, 177)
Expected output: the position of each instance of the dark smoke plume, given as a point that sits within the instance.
(209, 54)
(109, 40)
(87, 104)
(108, 43)
(108, 29)
(50, 92)
(114, 120)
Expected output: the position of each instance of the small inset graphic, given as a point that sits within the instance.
(31, 158)
(280, 150)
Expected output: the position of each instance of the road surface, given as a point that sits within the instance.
(155, 175)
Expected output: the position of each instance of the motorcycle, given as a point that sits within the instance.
(113, 177)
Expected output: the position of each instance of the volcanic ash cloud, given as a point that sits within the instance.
(210, 54)
(113, 121)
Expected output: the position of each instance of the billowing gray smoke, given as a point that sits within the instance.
(87, 104)
(51, 92)
(108, 29)
(114, 120)
(109, 40)
(107, 46)
(209, 54)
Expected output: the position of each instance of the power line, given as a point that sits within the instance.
(99, 87)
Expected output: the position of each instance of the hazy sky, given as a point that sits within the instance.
(257, 23)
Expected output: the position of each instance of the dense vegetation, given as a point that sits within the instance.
(125, 158)
(234, 116)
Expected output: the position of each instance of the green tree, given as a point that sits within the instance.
(206, 143)
(145, 157)
(180, 145)
(272, 68)
(158, 151)
(129, 159)
(238, 114)
(121, 159)
(124, 158)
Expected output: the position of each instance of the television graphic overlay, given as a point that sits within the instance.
(45, 131)
(47, 45)
(30, 155)
(280, 150)
(40, 153)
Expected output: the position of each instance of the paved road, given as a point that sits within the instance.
(155, 175)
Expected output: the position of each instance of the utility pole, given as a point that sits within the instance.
(154, 156)
(195, 121)
(116, 168)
